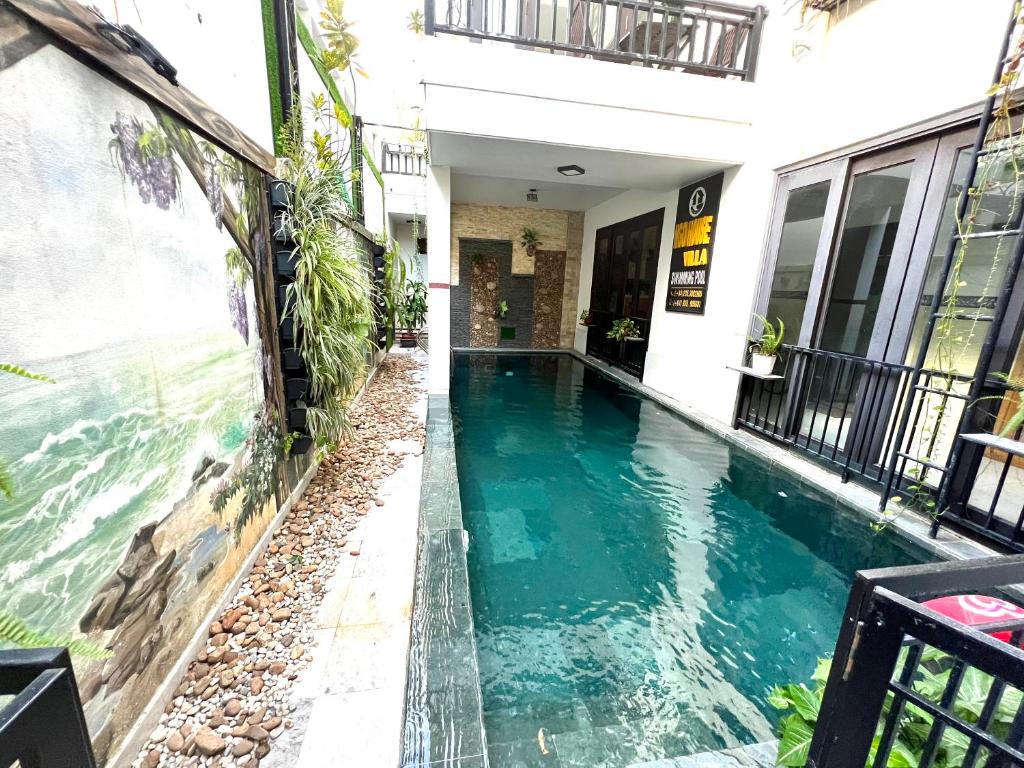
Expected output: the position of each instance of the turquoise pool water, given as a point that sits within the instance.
(638, 584)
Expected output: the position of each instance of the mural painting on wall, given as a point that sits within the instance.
(145, 472)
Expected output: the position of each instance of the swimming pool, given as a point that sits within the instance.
(637, 584)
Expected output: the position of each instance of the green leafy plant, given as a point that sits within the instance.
(502, 309)
(416, 21)
(337, 31)
(14, 631)
(391, 290)
(6, 480)
(624, 328)
(770, 340)
(289, 441)
(529, 238)
(802, 706)
(331, 298)
(585, 318)
(414, 305)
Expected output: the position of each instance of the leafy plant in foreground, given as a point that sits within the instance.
(802, 705)
(6, 480)
(14, 631)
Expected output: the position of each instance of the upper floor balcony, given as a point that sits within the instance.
(707, 38)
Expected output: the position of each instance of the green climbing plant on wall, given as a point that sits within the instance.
(1000, 171)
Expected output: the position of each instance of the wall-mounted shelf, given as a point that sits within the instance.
(747, 371)
(1005, 444)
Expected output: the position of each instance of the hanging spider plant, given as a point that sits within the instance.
(331, 298)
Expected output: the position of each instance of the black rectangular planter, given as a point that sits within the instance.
(282, 298)
(281, 231)
(287, 261)
(295, 389)
(297, 418)
(301, 445)
(292, 359)
(281, 192)
(288, 331)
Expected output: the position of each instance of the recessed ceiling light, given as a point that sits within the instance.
(570, 170)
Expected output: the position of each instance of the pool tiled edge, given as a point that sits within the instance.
(443, 708)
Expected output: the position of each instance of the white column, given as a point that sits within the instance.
(439, 225)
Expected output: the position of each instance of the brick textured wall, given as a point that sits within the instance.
(500, 222)
(571, 282)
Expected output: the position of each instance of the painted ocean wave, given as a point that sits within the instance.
(109, 448)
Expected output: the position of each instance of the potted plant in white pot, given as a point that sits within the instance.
(764, 350)
(585, 319)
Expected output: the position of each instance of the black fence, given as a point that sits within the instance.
(629, 355)
(709, 38)
(985, 493)
(403, 159)
(910, 687)
(833, 406)
(43, 726)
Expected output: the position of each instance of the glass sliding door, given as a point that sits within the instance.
(866, 278)
(798, 246)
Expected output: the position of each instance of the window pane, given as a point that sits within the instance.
(869, 232)
(801, 228)
(648, 271)
(984, 264)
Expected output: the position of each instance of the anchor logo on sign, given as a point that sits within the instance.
(697, 201)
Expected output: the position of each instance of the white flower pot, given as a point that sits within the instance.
(762, 365)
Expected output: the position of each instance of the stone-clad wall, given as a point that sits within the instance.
(483, 299)
(549, 276)
(493, 229)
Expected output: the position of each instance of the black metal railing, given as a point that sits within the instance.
(985, 493)
(909, 684)
(403, 159)
(833, 406)
(707, 38)
(629, 354)
(43, 726)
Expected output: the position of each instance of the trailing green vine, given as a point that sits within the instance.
(949, 345)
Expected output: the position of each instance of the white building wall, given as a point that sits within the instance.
(870, 68)
(439, 193)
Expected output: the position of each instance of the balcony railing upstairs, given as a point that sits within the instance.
(403, 159)
(711, 38)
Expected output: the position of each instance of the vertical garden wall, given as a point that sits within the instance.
(137, 278)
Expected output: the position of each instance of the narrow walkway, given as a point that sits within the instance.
(348, 702)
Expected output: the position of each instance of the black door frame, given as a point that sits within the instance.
(630, 356)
